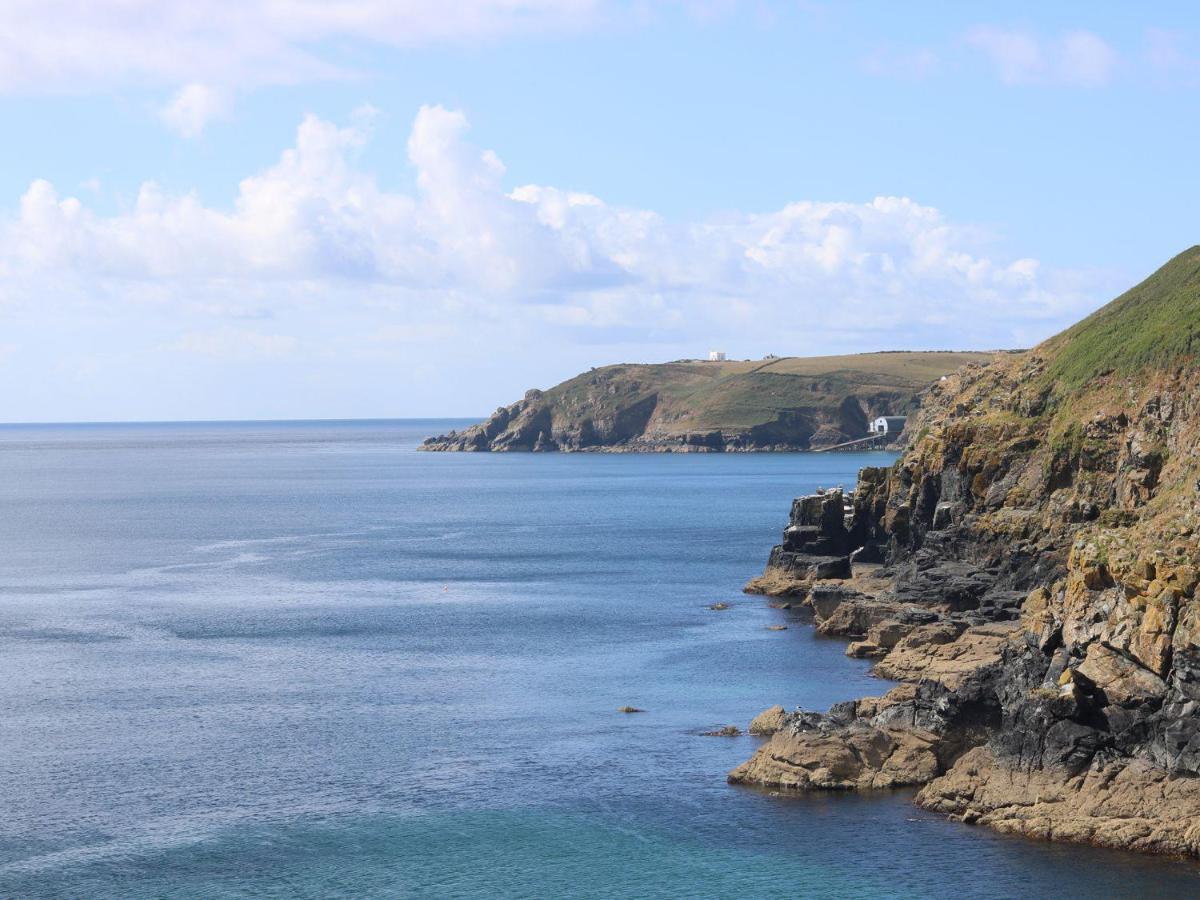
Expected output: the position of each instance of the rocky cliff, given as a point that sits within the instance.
(1028, 570)
(774, 404)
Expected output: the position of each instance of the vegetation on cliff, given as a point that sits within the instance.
(1047, 516)
(1152, 325)
(783, 403)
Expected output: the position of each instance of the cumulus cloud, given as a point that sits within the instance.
(1022, 57)
(192, 108)
(463, 253)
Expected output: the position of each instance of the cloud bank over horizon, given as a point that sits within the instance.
(315, 263)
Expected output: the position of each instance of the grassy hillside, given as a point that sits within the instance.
(787, 402)
(1150, 325)
(738, 395)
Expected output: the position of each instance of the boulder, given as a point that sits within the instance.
(768, 721)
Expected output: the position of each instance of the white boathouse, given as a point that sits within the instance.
(887, 425)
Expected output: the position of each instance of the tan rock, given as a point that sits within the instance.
(931, 652)
(869, 707)
(1134, 806)
(1121, 679)
(865, 650)
(855, 618)
(768, 721)
(856, 757)
(777, 584)
(888, 633)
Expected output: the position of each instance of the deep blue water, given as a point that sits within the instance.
(301, 659)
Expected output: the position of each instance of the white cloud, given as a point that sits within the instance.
(96, 44)
(1017, 55)
(313, 234)
(192, 108)
(1022, 57)
(1086, 59)
(1172, 57)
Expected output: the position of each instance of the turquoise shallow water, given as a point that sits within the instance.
(301, 659)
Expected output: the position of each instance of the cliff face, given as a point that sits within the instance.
(775, 404)
(1038, 559)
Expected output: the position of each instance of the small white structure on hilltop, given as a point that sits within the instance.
(887, 425)
(716, 356)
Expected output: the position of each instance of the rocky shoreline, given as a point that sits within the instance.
(530, 425)
(1027, 570)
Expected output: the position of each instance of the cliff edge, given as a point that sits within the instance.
(789, 403)
(1028, 570)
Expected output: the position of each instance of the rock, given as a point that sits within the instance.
(855, 757)
(869, 707)
(865, 650)
(826, 598)
(629, 709)
(815, 546)
(945, 653)
(727, 731)
(1121, 679)
(719, 606)
(774, 583)
(856, 618)
(1037, 562)
(768, 721)
(776, 628)
(888, 633)
(1132, 805)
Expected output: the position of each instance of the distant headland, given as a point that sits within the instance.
(717, 405)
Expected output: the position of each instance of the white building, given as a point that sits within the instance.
(716, 356)
(887, 425)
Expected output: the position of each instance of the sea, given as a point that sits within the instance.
(301, 659)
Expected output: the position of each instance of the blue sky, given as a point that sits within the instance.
(301, 209)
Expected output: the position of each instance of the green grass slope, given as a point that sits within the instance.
(696, 395)
(1152, 325)
(787, 403)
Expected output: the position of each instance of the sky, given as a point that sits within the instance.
(243, 209)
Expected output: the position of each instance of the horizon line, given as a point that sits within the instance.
(278, 421)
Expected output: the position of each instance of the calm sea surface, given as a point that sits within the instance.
(303, 660)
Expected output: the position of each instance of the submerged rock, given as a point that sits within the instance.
(727, 731)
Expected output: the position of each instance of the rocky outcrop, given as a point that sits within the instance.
(702, 407)
(1035, 558)
(812, 754)
(815, 546)
(1131, 806)
(768, 721)
(945, 652)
